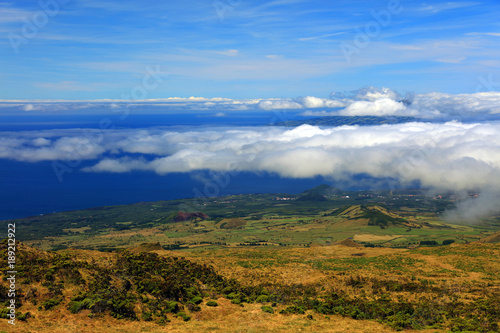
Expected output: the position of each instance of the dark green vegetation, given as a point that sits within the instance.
(346, 120)
(151, 287)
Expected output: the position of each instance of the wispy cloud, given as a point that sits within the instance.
(454, 60)
(496, 34)
(445, 6)
(13, 15)
(322, 36)
(231, 53)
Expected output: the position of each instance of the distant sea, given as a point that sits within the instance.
(28, 189)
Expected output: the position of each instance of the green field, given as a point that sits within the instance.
(322, 215)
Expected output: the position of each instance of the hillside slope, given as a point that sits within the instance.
(374, 214)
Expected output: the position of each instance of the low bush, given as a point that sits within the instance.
(267, 309)
(183, 315)
(212, 303)
(196, 300)
(50, 303)
(294, 309)
(262, 299)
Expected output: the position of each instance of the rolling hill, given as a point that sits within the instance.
(375, 215)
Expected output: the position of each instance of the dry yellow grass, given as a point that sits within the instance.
(375, 238)
(226, 317)
(287, 266)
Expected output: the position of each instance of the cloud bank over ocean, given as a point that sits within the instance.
(450, 156)
(367, 101)
(458, 155)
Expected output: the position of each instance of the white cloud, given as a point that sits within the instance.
(274, 57)
(279, 104)
(372, 101)
(29, 107)
(439, 7)
(41, 142)
(461, 104)
(452, 60)
(315, 102)
(34, 146)
(407, 47)
(230, 53)
(300, 103)
(380, 107)
(373, 94)
(367, 101)
(304, 39)
(119, 166)
(438, 155)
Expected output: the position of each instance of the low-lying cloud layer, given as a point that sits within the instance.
(367, 101)
(451, 156)
(372, 101)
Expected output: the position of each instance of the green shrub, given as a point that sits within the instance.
(428, 243)
(267, 309)
(75, 307)
(183, 315)
(464, 324)
(146, 316)
(212, 303)
(399, 321)
(172, 307)
(162, 321)
(4, 313)
(262, 299)
(50, 303)
(294, 309)
(227, 290)
(197, 300)
(232, 296)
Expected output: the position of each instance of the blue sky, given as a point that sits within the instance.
(87, 49)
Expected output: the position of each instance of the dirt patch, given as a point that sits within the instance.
(374, 238)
